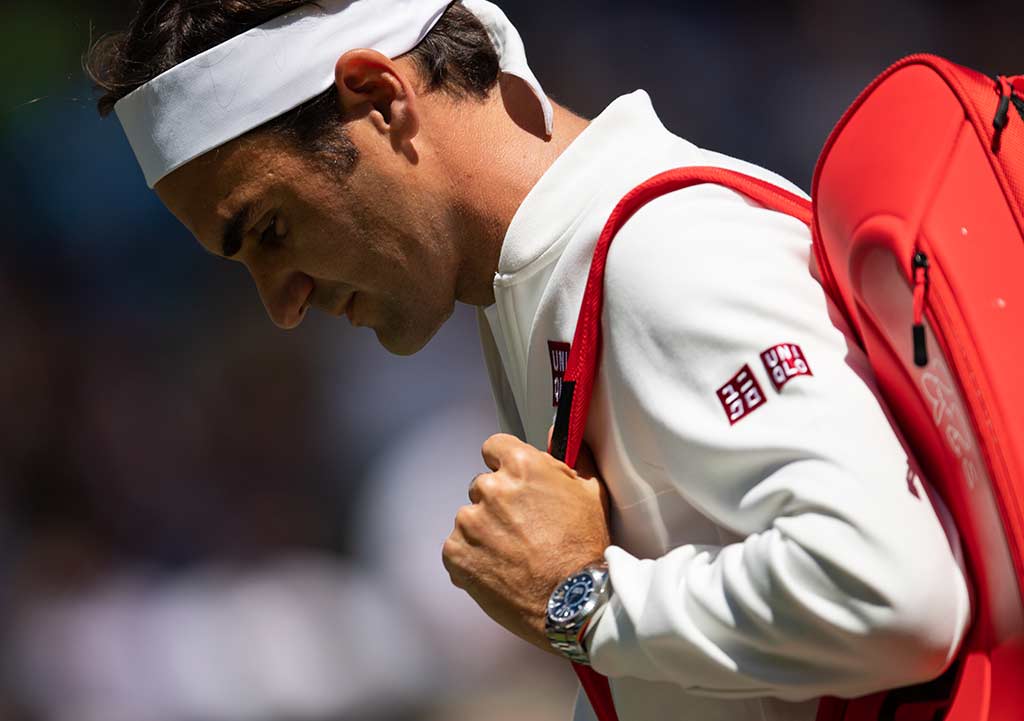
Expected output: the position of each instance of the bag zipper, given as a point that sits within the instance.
(920, 266)
(1007, 96)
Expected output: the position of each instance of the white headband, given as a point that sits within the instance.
(227, 91)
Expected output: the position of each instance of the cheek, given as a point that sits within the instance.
(362, 239)
(323, 248)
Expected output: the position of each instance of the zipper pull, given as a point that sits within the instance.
(1002, 118)
(920, 265)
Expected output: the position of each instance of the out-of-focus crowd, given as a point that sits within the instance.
(203, 518)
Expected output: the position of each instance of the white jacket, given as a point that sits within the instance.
(771, 545)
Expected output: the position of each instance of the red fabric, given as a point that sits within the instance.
(586, 345)
(913, 166)
(894, 180)
(599, 692)
(784, 362)
(741, 396)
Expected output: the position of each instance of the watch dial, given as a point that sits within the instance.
(568, 601)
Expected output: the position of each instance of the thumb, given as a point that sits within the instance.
(586, 466)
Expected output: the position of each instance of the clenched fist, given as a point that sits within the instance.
(532, 522)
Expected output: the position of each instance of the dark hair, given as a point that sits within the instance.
(456, 57)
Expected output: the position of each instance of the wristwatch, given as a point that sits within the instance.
(573, 606)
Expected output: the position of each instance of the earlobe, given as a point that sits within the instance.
(372, 85)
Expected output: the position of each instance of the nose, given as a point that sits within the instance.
(285, 295)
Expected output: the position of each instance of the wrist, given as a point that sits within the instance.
(574, 608)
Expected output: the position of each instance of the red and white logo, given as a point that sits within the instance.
(559, 353)
(741, 396)
(785, 362)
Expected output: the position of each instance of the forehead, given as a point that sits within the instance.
(205, 193)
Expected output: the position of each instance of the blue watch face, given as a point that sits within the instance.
(568, 600)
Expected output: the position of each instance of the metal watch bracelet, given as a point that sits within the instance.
(573, 607)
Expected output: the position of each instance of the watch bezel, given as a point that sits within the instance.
(557, 599)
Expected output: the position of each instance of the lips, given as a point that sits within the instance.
(323, 301)
(305, 292)
(346, 309)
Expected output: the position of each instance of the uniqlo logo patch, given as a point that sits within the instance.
(741, 396)
(559, 353)
(785, 362)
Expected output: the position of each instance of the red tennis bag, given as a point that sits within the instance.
(918, 226)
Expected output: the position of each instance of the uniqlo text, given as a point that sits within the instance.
(741, 396)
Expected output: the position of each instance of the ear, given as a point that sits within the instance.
(371, 83)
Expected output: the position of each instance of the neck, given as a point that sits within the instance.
(492, 169)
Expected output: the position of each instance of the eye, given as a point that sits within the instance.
(273, 235)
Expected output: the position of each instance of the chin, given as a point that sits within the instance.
(409, 340)
(403, 344)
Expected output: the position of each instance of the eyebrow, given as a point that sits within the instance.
(234, 231)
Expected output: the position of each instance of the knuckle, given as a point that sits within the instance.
(490, 486)
(519, 459)
(448, 552)
(474, 490)
(465, 518)
(451, 555)
(494, 441)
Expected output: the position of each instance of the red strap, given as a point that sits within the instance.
(586, 346)
(598, 691)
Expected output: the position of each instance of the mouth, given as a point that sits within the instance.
(306, 304)
(346, 307)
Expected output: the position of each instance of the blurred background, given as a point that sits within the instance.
(203, 518)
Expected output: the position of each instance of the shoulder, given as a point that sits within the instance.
(702, 249)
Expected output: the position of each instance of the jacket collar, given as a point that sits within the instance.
(628, 132)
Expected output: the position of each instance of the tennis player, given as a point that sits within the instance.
(750, 534)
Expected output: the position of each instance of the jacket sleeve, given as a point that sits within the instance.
(840, 572)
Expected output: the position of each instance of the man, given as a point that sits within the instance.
(766, 539)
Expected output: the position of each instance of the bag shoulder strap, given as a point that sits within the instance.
(578, 384)
(584, 354)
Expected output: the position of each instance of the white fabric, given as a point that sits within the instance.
(225, 92)
(759, 566)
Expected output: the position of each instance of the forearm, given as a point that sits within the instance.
(810, 607)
